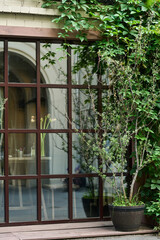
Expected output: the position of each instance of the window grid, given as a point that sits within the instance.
(38, 85)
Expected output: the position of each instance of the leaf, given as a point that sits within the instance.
(125, 33)
(153, 186)
(144, 9)
(147, 185)
(151, 2)
(124, 7)
(158, 104)
(46, 5)
(133, 12)
(140, 137)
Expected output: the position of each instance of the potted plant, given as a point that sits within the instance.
(124, 122)
(129, 51)
(128, 116)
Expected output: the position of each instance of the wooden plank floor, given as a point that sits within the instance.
(64, 231)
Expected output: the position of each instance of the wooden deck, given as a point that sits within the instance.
(64, 231)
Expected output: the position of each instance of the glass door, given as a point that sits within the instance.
(44, 174)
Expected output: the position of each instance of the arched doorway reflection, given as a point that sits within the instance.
(22, 120)
(26, 151)
(42, 175)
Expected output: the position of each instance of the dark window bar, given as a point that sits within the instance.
(39, 177)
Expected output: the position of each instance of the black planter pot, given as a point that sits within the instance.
(91, 207)
(126, 218)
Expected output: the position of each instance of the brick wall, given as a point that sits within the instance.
(22, 3)
(26, 13)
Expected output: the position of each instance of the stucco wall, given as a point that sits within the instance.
(26, 13)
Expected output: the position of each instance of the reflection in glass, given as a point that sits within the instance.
(1, 61)
(1, 154)
(22, 68)
(108, 165)
(53, 64)
(105, 78)
(54, 153)
(84, 75)
(109, 191)
(54, 200)
(2, 201)
(83, 155)
(53, 108)
(83, 108)
(22, 153)
(22, 200)
(85, 197)
(2, 107)
(22, 108)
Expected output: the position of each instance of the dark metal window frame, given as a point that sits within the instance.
(99, 87)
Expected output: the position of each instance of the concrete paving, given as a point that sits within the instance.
(128, 237)
(80, 231)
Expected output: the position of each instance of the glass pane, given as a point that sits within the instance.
(22, 108)
(105, 78)
(1, 61)
(22, 62)
(114, 167)
(109, 191)
(84, 75)
(83, 113)
(53, 64)
(22, 200)
(1, 154)
(111, 162)
(54, 200)
(53, 108)
(22, 153)
(83, 155)
(85, 197)
(2, 107)
(54, 153)
(2, 202)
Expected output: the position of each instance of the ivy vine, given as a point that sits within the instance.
(129, 33)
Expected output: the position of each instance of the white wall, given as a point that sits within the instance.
(26, 13)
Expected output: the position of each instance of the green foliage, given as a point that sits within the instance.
(70, 13)
(150, 191)
(91, 195)
(122, 201)
(151, 2)
(153, 209)
(129, 52)
(122, 19)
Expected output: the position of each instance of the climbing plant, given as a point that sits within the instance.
(128, 48)
(119, 25)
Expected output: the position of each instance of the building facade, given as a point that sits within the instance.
(42, 175)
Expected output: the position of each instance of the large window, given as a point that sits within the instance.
(44, 174)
